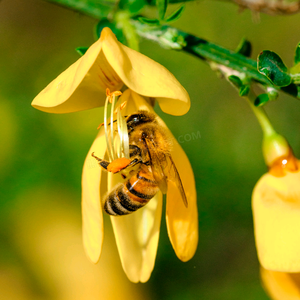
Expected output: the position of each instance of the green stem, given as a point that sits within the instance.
(123, 21)
(172, 38)
(274, 145)
(262, 118)
(92, 8)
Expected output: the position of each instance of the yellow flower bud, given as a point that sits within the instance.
(276, 211)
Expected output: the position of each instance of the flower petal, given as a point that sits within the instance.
(134, 102)
(276, 211)
(109, 64)
(82, 86)
(281, 285)
(92, 219)
(137, 239)
(145, 76)
(182, 222)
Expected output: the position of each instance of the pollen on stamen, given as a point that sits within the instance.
(111, 95)
(100, 126)
(122, 106)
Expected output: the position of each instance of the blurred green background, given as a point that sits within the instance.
(41, 158)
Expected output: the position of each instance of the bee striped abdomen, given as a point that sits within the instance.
(132, 195)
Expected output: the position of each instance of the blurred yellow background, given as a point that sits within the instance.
(41, 158)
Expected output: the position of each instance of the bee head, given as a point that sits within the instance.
(141, 117)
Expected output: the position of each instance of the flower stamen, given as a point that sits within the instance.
(123, 105)
(123, 132)
(100, 126)
(108, 144)
(117, 144)
(112, 101)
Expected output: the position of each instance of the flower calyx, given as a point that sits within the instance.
(284, 164)
(274, 147)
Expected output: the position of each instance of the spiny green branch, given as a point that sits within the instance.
(229, 63)
(241, 71)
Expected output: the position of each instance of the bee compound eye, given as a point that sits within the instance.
(133, 118)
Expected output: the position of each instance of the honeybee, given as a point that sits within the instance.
(149, 149)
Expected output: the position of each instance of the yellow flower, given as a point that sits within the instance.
(276, 210)
(109, 64)
(281, 285)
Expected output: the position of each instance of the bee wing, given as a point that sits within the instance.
(173, 175)
(156, 161)
(162, 176)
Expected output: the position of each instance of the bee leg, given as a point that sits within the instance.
(103, 163)
(134, 162)
(131, 164)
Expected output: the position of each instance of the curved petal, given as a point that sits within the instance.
(92, 219)
(137, 239)
(82, 86)
(276, 212)
(182, 222)
(145, 76)
(280, 285)
(109, 64)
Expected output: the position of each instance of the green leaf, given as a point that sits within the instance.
(162, 8)
(150, 22)
(175, 15)
(122, 19)
(271, 65)
(261, 100)
(297, 54)
(133, 6)
(244, 90)
(236, 81)
(153, 2)
(244, 48)
(81, 50)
